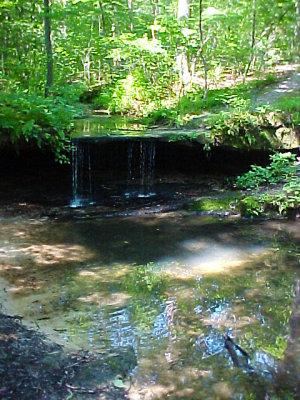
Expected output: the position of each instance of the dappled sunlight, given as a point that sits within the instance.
(168, 288)
(22, 287)
(9, 267)
(227, 319)
(152, 391)
(106, 299)
(54, 254)
(222, 390)
(105, 273)
(291, 228)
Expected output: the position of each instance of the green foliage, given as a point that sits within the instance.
(259, 83)
(131, 95)
(130, 50)
(146, 281)
(165, 115)
(38, 121)
(283, 172)
(71, 94)
(250, 206)
(281, 169)
(236, 95)
(288, 108)
(212, 204)
(240, 126)
(286, 200)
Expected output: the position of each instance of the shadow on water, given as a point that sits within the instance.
(166, 287)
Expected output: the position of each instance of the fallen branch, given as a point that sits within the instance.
(241, 360)
(82, 389)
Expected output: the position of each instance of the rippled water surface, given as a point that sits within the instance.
(165, 289)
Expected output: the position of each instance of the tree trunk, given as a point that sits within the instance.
(253, 33)
(183, 9)
(155, 13)
(2, 64)
(183, 12)
(201, 50)
(102, 18)
(47, 27)
(130, 11)
(87, 59)
(297, 28)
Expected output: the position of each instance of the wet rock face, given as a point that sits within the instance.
(125, 157)
(141, 163)
(33, 176)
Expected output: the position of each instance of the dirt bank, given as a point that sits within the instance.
(33, 368)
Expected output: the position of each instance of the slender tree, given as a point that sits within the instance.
(253, 34)
(201, 49)
(49, 54)
(183, 12)
(297, 28)
(130, 11)
(102, 18)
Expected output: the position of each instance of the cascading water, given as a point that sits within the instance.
(82, 174)
(140, 167)
(96, 165)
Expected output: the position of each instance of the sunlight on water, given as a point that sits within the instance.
(166, 289)
(209, 258)
(106, 125)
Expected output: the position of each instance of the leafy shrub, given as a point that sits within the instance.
(250, 206)
(261, 83)
(131, 95)
(71, 93)
(39, 121)
(281, 168)
(240, 126)
(283, 171)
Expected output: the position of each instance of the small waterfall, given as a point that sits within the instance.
(99, 164)
(82, 174)
(130, 176)
(140, 168)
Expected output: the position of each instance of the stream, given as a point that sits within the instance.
(162, 287)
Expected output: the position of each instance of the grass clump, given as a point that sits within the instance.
(288, 107)
(208, 204)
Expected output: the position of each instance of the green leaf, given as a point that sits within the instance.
(118, 383)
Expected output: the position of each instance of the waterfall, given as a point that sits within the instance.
(82, 174)
(99, 164)
(140, 168)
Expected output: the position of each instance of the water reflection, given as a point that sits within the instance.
(166, 289)
(107, 125)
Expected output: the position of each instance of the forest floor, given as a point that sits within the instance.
(33, 368)
(289, 82)
(271, 93)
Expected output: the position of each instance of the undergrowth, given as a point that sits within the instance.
(280, 182)
(40, 122)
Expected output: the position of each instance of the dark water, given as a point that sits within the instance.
(131, 164)
(165, 288)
